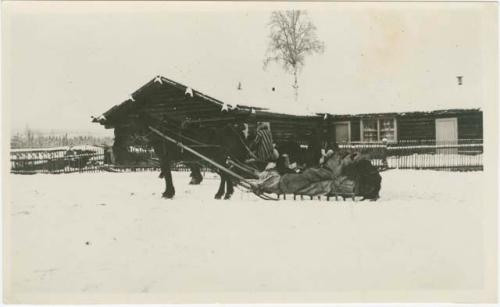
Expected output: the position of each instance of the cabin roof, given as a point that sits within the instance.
(127, 107)
(108, 118)
(434, 113)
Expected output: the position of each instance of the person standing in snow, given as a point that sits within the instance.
(263, 144)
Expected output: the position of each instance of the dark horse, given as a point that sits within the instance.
(216, 143)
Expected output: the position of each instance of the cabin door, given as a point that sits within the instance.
(342, 132)
(447, 134)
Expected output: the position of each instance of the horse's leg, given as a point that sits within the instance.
(196, 176)
(220, 192)
(229, 188)
(169, 185)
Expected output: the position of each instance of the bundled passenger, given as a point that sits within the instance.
(283, 165)
(263, 144)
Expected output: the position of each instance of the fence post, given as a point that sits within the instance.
(385, 164)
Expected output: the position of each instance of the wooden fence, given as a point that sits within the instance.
(462, 155)
(57, 160)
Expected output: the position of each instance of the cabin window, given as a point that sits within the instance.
(387, 129)
(370, 132)
(376, 130)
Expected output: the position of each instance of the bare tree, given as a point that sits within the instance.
(292, 37)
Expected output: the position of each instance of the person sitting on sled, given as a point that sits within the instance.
(263, 145)
(283, 165)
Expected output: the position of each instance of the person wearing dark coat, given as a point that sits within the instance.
(283, 165)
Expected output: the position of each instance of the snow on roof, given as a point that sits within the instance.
(258, 98)
(60, 148)
(433, 112)
(283, 102)
(269, 100)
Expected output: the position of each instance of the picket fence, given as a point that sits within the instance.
(461, 155)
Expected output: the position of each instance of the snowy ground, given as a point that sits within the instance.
(110, 233)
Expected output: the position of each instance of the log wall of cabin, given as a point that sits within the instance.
(120, 145)
(416, 128)
(290, 128)
(423, 127)
(470, 126)
(355, 130)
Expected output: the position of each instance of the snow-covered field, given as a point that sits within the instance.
(110, 233)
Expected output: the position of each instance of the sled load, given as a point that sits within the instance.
(341, 174)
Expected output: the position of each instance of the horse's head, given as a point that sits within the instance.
(241, 129)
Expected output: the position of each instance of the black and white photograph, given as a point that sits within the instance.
(254, 152)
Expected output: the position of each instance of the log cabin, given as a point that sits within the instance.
(168, 100)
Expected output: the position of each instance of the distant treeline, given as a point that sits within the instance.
(35, 139)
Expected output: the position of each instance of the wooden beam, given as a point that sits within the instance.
(210, 120)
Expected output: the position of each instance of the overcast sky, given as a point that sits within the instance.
(64, 62)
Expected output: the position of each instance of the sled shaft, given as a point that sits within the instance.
(194, 152)
(248, 172)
